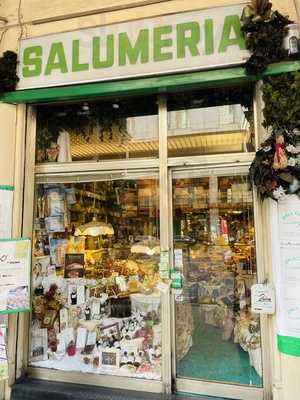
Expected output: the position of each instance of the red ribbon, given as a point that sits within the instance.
(278, 147)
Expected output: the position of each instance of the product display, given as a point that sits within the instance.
(215, 253)
(96, 250)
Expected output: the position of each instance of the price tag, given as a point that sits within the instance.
(178, 258)
(263, 299)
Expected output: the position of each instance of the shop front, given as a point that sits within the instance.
(146, 234)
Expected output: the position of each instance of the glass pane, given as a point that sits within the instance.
(96, 253)
(210, 121)
(98, 130)
(217, 336)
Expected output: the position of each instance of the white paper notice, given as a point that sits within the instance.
(288, 311)
(290, 265)
(15, 261)
(289, 220)
(262, 299)
(6, 205)
(178, 258)
(288, 268)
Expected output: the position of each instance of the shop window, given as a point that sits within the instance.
(96, 252)
(218, 338)
(120, 128)
(211, 121)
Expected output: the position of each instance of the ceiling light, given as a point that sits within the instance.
(85, 107)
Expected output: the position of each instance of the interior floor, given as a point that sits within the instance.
(212, 358)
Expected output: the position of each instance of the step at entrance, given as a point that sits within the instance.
(32, 389)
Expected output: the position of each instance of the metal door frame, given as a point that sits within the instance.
(211, 388)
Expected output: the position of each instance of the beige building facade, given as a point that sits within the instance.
(21, 19)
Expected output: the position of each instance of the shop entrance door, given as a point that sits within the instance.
(217, 340)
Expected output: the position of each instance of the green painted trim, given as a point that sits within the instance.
(7, 187)
(17, 310)
(15, 239)
(289, 345)
(159, 84)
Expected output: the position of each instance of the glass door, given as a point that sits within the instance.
(217, 339)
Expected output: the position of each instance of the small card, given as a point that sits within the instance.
(91, 339)
(74, 265)
(51, 270)
(39, 345)
(262, 299)
(80, 294)
(110, 359)
(63, 319)
(81, 338)
(96, 309)
(68, 335)
(76, 295)
(61, 345)
(178, 258)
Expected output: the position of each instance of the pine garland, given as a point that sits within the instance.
(264, 32)
(8, 71)
(275, 170)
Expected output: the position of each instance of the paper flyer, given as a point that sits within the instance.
(288, 277)
(15, 262)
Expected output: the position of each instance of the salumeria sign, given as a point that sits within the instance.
(173, 43)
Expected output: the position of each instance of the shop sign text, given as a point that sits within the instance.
(173, 43)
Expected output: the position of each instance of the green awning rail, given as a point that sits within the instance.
(150, 85)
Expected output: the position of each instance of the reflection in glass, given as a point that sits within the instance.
(115, 129)
(210, 122)
(217, 336)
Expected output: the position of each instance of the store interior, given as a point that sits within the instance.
(95, 304)
(217, 336)
(97, 257)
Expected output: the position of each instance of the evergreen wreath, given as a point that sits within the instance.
(8, 71)
(264, 32)
(275, 170)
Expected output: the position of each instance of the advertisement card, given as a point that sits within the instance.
(74, 265)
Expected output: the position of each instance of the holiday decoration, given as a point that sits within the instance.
(8, 74)
(264, 31)
(275, 170)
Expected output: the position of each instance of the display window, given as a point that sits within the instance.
(96, 252)
(211, 121)
(120, 128)
(218, 338)
(156, 228)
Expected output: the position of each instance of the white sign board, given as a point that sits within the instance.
(288, 276)
(262, 299)
(186, 41)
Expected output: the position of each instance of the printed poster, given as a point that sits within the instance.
(15, 261)
(288, 277)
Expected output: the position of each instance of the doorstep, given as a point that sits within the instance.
(33, 389)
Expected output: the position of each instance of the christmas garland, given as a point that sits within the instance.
(264, 32)
(275, 170)
(8, 71)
